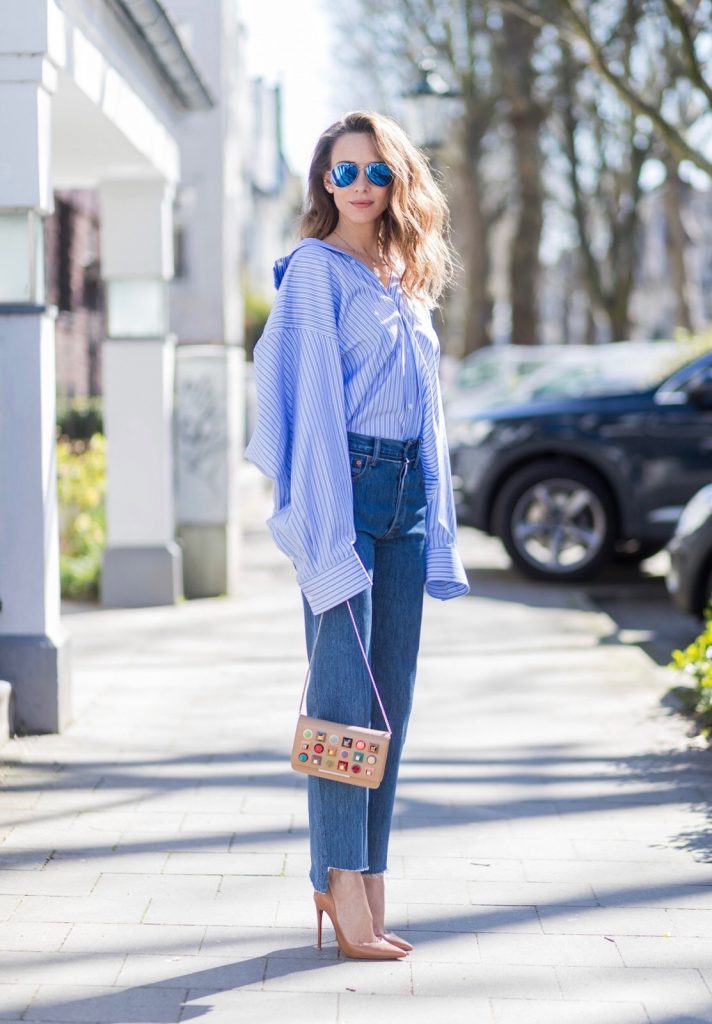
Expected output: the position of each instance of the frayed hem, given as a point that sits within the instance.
(356, 871)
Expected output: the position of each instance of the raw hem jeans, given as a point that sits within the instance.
(349, 826)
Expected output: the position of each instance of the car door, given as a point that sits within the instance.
(677, 444)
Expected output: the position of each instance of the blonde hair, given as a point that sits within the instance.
(415, 226)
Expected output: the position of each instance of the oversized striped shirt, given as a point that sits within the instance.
(342, 352)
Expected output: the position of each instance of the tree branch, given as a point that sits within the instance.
(674, 139)
(689, 53)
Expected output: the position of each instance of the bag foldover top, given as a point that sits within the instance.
(332, 750)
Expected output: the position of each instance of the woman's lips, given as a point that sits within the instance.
(362, 202)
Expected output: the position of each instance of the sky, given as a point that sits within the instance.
(290, 43)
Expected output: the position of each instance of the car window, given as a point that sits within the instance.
(674, 382)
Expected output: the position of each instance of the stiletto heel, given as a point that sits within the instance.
(319, 915)
(378, 949)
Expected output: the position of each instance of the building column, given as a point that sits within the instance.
(209, 444)
(34, 647)
(142, 563)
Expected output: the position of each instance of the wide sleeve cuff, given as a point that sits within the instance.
(335, 585)
(445, 574)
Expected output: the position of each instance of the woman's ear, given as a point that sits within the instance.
(327, 184)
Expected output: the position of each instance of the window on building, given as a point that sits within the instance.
(65, 237)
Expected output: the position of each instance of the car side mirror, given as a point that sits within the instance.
(699, 388)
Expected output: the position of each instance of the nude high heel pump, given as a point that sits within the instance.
(376, 950)
(375, 894)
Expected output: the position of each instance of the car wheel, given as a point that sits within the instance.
(557, 521)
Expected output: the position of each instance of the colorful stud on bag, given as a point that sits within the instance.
(303, 757)
(358, 757)
(321, 737)
(307, 734)
(360, 745)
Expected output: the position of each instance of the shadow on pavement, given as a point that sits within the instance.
(633, 596)
(674, 777)
(152, 1003)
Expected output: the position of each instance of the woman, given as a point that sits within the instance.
(350, 429)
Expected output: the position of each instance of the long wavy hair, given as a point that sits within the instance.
(414, 229)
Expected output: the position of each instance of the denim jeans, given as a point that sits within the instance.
(349, 826)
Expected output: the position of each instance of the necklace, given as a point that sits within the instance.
(376, 262)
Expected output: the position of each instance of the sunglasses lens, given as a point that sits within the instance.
(344, 174)
(379, 174)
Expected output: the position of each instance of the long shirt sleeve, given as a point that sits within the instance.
(300, 440)
(445, 575)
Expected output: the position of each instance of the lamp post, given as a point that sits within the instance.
(430, 107)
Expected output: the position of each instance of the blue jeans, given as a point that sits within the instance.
(349, 826)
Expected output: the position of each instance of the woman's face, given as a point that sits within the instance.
(361, 202)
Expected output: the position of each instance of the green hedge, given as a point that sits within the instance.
(81, 486)
(696, 663)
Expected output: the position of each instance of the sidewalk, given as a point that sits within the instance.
(552, 853)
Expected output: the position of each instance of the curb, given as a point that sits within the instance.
(5, 711)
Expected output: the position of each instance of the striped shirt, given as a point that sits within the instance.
(341, 352)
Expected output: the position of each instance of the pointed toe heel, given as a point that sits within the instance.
(378, 949)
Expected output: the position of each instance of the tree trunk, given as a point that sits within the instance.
(676, 241)
(525, 117)
(475, 233)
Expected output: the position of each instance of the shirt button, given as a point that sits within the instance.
(410, 405)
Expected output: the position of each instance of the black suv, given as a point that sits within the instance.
(566, 483)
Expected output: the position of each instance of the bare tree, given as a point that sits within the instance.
(525, 113)
(605, 150)
(665, 26)
(390, 41)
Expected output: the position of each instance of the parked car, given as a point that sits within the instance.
(567, 481)
(517, 373)
(689, 579)
(496, 373)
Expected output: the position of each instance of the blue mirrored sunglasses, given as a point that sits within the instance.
(346, 173)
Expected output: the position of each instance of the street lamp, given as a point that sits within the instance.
(430, 106)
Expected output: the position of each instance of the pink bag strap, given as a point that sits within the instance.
(302, 703)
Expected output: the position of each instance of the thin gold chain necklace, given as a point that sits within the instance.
(371, 258)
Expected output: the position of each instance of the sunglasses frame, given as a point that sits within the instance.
(367, 167)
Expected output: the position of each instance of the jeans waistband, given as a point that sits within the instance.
(384, 447)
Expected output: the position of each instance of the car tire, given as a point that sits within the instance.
(557, 521)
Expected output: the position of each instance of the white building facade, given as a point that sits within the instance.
(206, 306)
(92, 94)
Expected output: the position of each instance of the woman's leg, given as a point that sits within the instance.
(397, 600)
(340, 691)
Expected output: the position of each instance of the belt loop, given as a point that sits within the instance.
(376, 449)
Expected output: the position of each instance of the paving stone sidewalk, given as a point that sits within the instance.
(552, 852)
